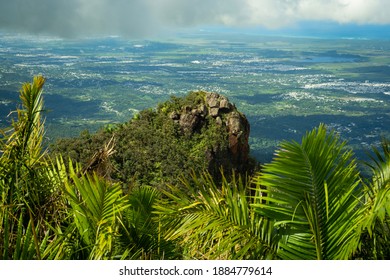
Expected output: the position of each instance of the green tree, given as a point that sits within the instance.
(217, 221)
(50, 209)
(376, 237)
(28, 196)
(105, 223)
(141, 235)
(312, 190)
(95, 210)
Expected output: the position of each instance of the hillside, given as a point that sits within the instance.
(202, 131)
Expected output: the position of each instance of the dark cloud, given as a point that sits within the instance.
(38, 16)
(147, 17)
(71, 18)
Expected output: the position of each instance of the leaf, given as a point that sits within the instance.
(312, 191)
(96, 205)
(215, 222)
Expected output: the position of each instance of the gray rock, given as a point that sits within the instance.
(214, 112)
(218, 120)
(174, 116)
(189, 122)
(212, 99)
(203, 110)
(224, 104)
(234, 154)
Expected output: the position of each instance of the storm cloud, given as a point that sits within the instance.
(73, 18)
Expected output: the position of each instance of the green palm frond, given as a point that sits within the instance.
(141, 233)
(21, 147)
(216, 222)
(377, 202)
(20, 241)
(379, 187)
(311, 191)
(25, 141)
(25, 190)
(96, 207)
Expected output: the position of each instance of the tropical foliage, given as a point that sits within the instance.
(312, 193)
(27, 195)
(310, 202)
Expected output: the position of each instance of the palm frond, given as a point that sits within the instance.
(28, 130)
(311, 189)
(377, 203)
(96, 206)
(25, 189)
(141, 233)
(216, 222)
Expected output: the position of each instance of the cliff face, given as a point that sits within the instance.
(212, 109)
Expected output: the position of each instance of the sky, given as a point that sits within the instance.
(142, 18)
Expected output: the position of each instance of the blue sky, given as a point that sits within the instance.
(143, 18)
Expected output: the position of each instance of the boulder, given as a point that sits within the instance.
(189, 121)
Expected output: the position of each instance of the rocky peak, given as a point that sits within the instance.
(217, 103)
(207, 109)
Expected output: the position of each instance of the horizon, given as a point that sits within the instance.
(308, 30)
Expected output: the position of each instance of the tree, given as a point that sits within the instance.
(105, 223)
(27, 194)
(312, 191)
(376, 235)
(213, 221)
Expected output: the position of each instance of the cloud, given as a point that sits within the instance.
(346, 11)
(71, 18)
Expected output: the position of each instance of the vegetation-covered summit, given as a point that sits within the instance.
(202, 131)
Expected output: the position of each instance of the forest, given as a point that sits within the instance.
(310, 202)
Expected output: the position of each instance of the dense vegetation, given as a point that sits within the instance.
(310, 202)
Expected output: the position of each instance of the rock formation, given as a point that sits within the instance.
(215, 109)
